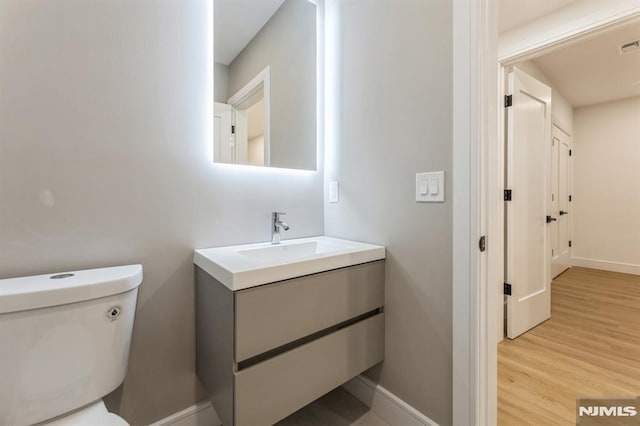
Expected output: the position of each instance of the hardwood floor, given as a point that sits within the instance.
(589, 348)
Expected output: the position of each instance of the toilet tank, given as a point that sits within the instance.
(64, 340)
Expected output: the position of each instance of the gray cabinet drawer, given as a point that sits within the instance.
(271, 390)
(273, 315)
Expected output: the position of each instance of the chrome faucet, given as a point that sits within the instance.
(276, 224)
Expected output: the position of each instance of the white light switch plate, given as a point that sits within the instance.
(430, 187)
(334, 192)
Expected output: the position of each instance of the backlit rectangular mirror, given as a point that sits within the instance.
(265, 83)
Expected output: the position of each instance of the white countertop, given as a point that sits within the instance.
(249, 265)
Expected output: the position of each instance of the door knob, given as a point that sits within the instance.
(551, 219)
(562, 213)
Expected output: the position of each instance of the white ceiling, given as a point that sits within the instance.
(513, 13)
(593, 71)
(236, 22)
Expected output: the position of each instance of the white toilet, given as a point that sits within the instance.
(64, 344)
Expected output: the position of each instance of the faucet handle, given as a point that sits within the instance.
(277, 214)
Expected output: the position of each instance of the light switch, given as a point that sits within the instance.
(430, 187)
(433, 186)
(424, 187)
(334, 192)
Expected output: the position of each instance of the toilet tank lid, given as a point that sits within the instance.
(42, 291)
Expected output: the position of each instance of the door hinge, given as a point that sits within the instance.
(508, 194)
(233, 130)
(482, 245)
(508, 101)
(570, 243)
(507, 289)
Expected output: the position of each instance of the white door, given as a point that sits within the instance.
(564, 217)
(223, 137)
(528, 263)
(561, 237)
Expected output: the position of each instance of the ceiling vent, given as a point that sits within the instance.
(632, 46)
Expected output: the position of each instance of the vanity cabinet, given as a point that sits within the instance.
(267, 351)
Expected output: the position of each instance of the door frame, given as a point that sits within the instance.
(478, 208)
(260, 83)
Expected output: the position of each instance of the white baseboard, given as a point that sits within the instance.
(386, 405)
(625, 268)
(383, 403)
(201, 414)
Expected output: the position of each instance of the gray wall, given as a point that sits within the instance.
(104, 161)
(288, 44)
(606, 155)
(221, 80)
(395, 70)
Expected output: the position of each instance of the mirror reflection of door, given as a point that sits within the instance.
(249, 132)
(240, 134)
(224, 141)
(265, 72)
(243, 136)
(255, 134)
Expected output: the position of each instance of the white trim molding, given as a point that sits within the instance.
(475, 109)
(385, 404)
(565, 26)
(605, 265)
(201, 414)
(259, 85)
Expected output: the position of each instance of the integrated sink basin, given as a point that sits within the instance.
(288, 252)
(243, 266)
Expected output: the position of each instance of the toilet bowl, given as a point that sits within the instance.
(65, 345)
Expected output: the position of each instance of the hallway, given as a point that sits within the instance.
(589, 348)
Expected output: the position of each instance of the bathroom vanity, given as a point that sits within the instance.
(278, 326)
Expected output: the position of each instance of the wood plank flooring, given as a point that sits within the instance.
(589, 348)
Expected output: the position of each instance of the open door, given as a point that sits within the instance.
(528, 246)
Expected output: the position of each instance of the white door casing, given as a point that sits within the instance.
(258, 88)
(528, 263)
(555, 203)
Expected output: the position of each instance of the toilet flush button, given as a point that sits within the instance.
(114, 312)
